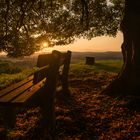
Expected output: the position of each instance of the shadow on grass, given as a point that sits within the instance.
(134, 104)
(106, 67)
(73, 124)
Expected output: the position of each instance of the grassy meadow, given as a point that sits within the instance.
(112, 66)
(12, 72)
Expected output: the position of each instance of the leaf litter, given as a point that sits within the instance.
(84, 114)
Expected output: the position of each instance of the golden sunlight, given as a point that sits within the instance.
(97, 44)
(45, 44)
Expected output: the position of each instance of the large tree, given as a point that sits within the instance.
(25, 23)
(128, 80)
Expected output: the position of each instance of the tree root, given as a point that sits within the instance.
(121, 86)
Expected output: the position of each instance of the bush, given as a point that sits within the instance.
(9, 68)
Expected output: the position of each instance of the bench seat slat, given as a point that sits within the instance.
(15, 93)
(23, 98)
(14, 86)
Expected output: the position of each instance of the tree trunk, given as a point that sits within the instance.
(128, 80)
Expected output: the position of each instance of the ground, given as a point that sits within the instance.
(84, 113)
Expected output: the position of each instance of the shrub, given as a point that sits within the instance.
(9, 68)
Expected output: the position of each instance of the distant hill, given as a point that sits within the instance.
(76, 56)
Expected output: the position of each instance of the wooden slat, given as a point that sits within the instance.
(64, 75)
(14, 86)
(41, 74)
(24, 90)
(15, 93)
(44, 59)
(42, 68)
(62, 60)
(61, 55)
(29, 93)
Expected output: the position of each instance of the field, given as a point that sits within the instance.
(14, 71)
(84, 113)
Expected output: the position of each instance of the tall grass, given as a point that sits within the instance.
(8, 79)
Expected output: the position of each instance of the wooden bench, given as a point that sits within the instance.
(37, 90)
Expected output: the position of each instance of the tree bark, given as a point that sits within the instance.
(128, 80)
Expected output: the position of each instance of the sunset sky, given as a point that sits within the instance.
(97, 44)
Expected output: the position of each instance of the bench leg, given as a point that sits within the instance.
(10, 117)
(48, 116)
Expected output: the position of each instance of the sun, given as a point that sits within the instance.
(44, 44)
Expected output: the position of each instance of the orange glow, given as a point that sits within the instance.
(45, 44)
(97, 44)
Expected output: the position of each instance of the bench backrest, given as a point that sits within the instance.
(40, 86)
(43, 63)
(24, 90)
(65, 62)
(46, 61)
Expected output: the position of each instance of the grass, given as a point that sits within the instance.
(84, 113)
(8, 79)
(10, 74)
(9, 68)
(109, 65)
(112, 66)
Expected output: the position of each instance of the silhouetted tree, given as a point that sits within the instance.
(128, 80)
(25, 23)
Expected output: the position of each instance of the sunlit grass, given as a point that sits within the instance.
(7, 79)
(76, 70)
(113, 66)
(109, 65)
